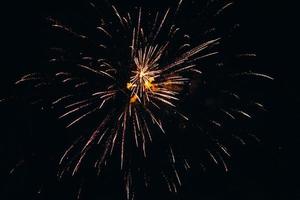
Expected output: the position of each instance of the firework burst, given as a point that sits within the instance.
(135, 96)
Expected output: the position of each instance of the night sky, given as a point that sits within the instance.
(264, 170)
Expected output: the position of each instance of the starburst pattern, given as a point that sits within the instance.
(135, 95)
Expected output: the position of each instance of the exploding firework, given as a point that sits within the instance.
(133, 91)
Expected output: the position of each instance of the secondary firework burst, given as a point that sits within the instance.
(135, 93)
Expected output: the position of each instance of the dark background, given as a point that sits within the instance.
(268, 170)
